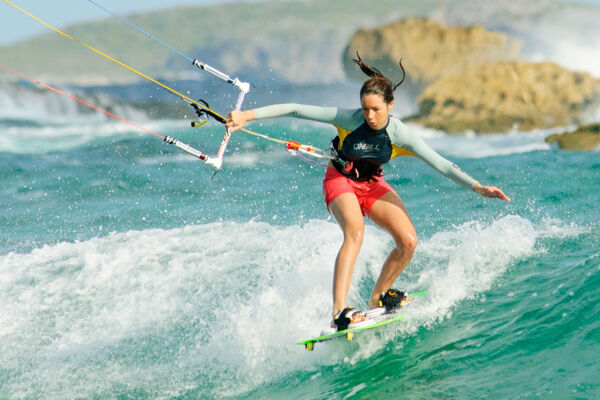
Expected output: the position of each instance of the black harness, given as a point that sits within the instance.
(362, 153)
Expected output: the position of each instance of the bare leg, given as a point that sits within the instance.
(390, 214)
(346, 211)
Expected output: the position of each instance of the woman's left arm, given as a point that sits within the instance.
(410, 140)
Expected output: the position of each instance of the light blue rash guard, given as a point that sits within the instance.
(358, 143)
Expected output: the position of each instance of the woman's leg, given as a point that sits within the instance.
(389, 213)
(346, 210)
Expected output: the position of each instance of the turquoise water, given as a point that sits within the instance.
(126, 272)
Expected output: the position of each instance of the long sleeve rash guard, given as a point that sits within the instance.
(394, 140)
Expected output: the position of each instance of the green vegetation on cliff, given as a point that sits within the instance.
(295, 41)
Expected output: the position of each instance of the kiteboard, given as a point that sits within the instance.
(376, 319)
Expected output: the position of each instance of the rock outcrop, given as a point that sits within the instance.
(429, 49)
(501, 96)
(469, 78)
(585, 138)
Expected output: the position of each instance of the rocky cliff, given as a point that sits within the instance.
(585, 138)
(429, 49)
(501, 96)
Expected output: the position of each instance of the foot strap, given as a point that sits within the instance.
(346, 317)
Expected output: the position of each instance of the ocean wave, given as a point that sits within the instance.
(226, 300)
(50, 138)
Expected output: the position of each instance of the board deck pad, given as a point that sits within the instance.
(375, 322)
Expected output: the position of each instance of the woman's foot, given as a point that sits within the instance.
(393, 299)
(348, 316)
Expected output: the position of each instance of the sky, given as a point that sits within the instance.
(15, 26)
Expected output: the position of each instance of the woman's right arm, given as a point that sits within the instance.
(237, 119)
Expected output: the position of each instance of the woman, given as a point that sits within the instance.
(354, 186)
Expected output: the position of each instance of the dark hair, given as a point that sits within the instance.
(377, 83)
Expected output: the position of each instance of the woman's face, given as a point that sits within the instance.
(375, 110)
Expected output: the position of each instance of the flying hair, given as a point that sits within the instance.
(377, 83)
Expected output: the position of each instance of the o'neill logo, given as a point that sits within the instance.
(366, 146)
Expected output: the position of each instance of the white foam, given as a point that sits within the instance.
(558, 229)
(576, 46)
(470, 258)
(35, 104)
(469, 145)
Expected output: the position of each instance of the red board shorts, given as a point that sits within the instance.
(367, 193)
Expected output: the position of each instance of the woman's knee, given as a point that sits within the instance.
(354, 233)
(407, 242)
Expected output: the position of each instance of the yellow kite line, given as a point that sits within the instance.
(290, 144)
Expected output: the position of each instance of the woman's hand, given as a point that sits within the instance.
(237, 119)
(490, 191)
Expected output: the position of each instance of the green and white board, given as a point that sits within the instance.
(375, 322)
